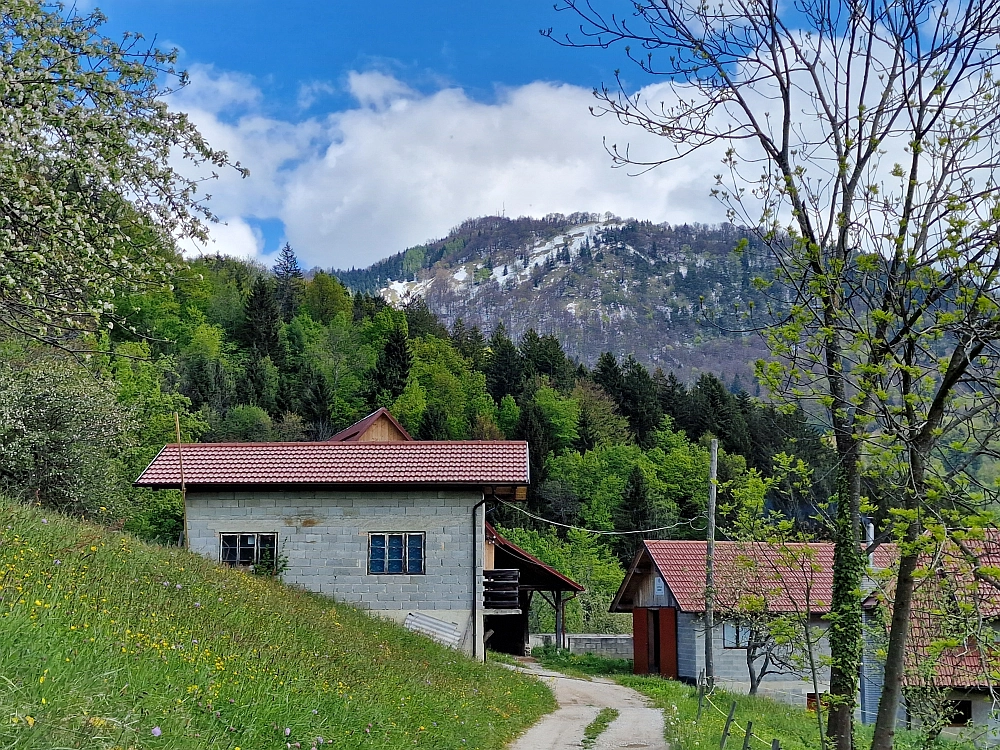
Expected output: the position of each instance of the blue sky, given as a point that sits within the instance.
(371, 127)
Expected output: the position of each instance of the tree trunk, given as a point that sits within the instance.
(899, 630)
(845, 634)
(902, 607)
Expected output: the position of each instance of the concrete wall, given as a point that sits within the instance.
(608, 646)
(324, 535)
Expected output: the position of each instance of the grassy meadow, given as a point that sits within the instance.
(109, 643)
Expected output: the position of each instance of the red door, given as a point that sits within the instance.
(640, 640)
(668, 642)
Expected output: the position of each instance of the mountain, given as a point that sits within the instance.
(674, 296)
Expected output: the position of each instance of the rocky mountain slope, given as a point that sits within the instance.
(674, 296)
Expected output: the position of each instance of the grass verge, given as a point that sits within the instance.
(108, 643)
(580, 665)
(796, 728)
(598, 726)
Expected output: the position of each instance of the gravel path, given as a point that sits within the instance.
(637, 726)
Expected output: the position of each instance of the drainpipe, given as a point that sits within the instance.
(475, 577)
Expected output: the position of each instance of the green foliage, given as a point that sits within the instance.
(90, 170)
(62, 434)
(589, 562)
(104, 652)
(562, 413)
(325, 298)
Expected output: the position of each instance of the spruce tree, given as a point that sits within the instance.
(288, 282)
(261, 318)
(433, 424)
(316, 401)
(636, 512)
(392, 369)
(608, 374)
(639, 404)
(504, 366)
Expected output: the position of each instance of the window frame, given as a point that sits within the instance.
(257, 546)
(406, 553)
(741, 639)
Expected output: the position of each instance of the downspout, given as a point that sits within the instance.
(475, 576)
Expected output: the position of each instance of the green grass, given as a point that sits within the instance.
(580, 665)
(109, 643)
(796, 728)
(598, 726)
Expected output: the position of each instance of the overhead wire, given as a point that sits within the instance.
(601, 532)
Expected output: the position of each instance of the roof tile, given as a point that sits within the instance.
(418, 462)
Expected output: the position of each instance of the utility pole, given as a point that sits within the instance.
(710, 569)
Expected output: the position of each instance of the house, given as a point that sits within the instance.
(664, 589)
(371, 517)
(951, 662)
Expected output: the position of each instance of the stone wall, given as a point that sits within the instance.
(324, 536)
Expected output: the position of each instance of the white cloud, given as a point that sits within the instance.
(232, 236)
(402, 167)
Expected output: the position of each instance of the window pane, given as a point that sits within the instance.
(376, 553)
(267, 550)
(395, 553)
(230, 544)
(415, 553)
(248, 549)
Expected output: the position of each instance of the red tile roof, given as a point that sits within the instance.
(424, 462)
(789, 576)
(948, 602)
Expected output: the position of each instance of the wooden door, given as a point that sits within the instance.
(640, 640)
(668, 642)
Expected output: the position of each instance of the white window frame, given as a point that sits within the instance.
(239, 545)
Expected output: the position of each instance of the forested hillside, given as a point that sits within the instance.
(246, 353)
(675, 297)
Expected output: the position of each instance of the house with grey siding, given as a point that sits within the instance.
(370, 517)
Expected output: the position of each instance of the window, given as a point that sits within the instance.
(735, 636)
(396, 554)
(959, 713)
(249, 549)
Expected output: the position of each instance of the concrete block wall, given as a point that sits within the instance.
(599, 644)
(731, 670)
(324, 536)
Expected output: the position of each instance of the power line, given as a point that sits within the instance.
(595, 531)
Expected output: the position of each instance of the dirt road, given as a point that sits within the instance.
(637, 726)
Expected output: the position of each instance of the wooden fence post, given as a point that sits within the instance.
(748, 735)
(775, 745)
(729, 723)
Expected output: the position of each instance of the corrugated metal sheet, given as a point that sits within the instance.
(446, 633)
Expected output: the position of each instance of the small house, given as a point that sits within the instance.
(664, 589)
(373, 518)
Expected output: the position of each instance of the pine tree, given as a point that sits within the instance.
(261, 318)
(433, 424)
(289, 286)
(392, 369)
